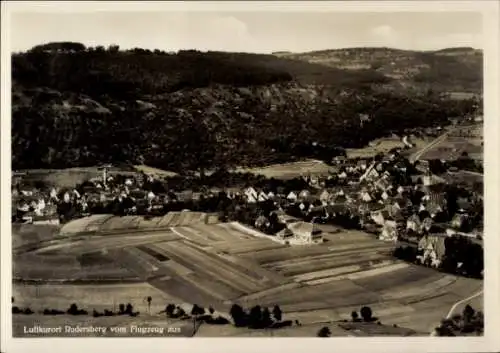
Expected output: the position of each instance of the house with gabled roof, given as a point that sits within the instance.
(304, 194)
(365, 196)
(251, 194)
(383, 184)
(262, 197)
(261, 221)
(389, 232)
(324, 196)
(380, 216)
(459, 220)
(433, 249)
(413, 223)
(371, 173)
(305, 233)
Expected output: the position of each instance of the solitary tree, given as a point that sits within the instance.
(366, 313)
(255, 316)
(238, 315)
(129, 309)
(266, 317)
(324, 332)
(277, 313)
(169, 310)
(354, 316)
(468, 313)
(211, 310)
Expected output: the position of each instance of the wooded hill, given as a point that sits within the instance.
(77, 106)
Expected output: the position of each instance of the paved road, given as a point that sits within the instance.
(454, 307)
(416, 156)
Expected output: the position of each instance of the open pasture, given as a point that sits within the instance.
(25, 234)
(70, 177)
(90, 296)
(290, 170)
(383, 145)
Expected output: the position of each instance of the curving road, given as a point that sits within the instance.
(454, 307)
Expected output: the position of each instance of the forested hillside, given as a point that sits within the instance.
(77, 106)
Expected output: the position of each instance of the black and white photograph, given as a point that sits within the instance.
(214, 171)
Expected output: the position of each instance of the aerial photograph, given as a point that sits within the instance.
(247, 174)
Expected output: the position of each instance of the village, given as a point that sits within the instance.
(411, 203)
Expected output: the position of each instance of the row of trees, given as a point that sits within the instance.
(257, 317)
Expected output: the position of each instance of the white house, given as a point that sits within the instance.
(292, 197)
(251, 195)
(324, 197)
(262, 197)
(305, 233)
(365, 196)
(304, 194)
(413, 223)
(389, 232)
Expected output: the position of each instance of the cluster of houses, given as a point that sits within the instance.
(388, 196)
(384, 197)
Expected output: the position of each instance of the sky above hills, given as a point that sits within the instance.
(260, 32)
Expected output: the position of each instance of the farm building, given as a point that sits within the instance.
(305, 233)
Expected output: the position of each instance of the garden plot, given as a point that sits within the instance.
(415, 291)
(212, 266)
(24, 234)
(239, 262)
(397, 277)
(373, 249)
(76, 226)
(108, 242)
(120, 223)
(246, 246)
(324, 262)
(192, 236)
(186, 292)
(215, 287)
(229, 232)
(148, 222)
(265, 257)
(200, 234)
(166, 220)
(136, 261)
(218, 233)
(348, 271)
(291, 170)
(95, 222)
(273, 292)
